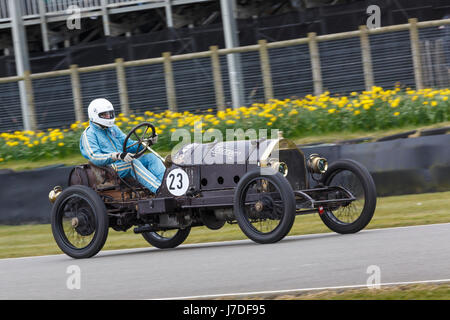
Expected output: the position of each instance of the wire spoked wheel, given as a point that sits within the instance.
(353, 216)
(79, 222)
(264, 206)
(166, 239)
(350, 212)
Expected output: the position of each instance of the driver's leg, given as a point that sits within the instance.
(154, 165)
(145, 177)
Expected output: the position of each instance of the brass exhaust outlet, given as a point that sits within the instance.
(54, 194)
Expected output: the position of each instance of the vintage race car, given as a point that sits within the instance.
(259, 184)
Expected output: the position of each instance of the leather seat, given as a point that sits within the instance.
(99, 178)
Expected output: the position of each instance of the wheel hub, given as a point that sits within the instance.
(82, 224)
(74, 222)
(265, 208)
(259, 206)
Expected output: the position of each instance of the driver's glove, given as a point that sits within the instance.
(153, 140)
(124, 156)
(115, 156)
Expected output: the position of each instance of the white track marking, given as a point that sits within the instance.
(294, 291)
(131, 250)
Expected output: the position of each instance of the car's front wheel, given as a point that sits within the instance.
(264, 206)
(356, 179)
(79, 222)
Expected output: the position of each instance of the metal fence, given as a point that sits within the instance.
(414, 54)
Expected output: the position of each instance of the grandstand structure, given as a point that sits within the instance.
(150, 15)
(46, 30)
(44, 12)
(137, 29)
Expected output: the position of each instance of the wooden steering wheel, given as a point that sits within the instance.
(142, 138)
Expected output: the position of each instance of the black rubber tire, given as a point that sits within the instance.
(101, 218)
(370, 196)
(288, 218)
(167, 243)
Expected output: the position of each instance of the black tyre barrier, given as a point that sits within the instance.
(402, 135)
(432, 132)
(24, 195)
(358, 140)
(402, 166)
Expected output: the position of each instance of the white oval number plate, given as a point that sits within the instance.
(177, 182)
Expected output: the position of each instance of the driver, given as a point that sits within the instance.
(102, 141)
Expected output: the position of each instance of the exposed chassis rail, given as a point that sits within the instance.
(309, 193)
(307, 201)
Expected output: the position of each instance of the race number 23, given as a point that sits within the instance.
(177, 182)
(172, 179)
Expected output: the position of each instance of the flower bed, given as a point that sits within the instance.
(377, 109)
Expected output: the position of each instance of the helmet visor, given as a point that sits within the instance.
(106, 115)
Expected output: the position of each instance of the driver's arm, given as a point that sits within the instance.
(91, 150)
(122, 136)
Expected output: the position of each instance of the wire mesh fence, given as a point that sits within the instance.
(194, 84)
(392, 59)
(291, 71)
(10, 108)
(48, 93)
(146, 88)
(343, 67)
(99, 84)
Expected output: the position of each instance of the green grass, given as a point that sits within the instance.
(20, 165)
(407, 210)
(397, 292)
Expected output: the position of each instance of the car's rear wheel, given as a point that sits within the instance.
(79, 222)
(356, 179)
(167, 239)
(264, 206)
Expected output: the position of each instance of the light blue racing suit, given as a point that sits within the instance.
(98, 144)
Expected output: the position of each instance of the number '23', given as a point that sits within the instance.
(172, 180)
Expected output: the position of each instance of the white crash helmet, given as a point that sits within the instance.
(101, 112)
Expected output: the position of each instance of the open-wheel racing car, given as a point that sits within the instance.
(260, 184)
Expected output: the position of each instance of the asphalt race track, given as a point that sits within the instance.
(323, 260)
